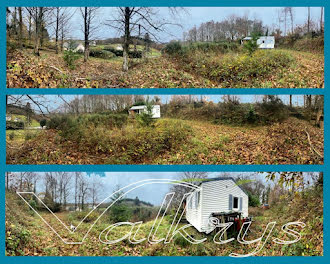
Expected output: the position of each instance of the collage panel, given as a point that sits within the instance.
(165, 129)
(235, 214)
(165, 47)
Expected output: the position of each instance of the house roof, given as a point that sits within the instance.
(220, 179)
(138, 107)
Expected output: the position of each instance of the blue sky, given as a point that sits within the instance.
(192, 16)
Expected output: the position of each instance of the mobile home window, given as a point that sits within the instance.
(235, 203)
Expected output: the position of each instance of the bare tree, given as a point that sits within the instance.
(59, 16)
(188, 177)
(38, 15)
(95, 188)
(321, 20)
(89, 15)
(308, 19)
(20, 26)
(130, 20)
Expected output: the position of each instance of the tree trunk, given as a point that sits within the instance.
(57, 29)
(321, 21)
(86, 33)
(20, 34)
(308, 19)
(62, 37)
(126, 39)
(290, 100)
(38, 23)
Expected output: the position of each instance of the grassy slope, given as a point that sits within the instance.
(284, 143)
(49, 70)
(35, 238)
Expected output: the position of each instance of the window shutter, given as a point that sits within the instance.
(230, 202)
(240, 203)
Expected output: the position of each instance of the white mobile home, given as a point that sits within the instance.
(263, 42)
(218, 196)
(139, 109)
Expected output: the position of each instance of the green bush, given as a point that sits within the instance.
(98, 52)
(251, 45)
(17, 237)
(120, 213)
(29, 135)
(253, 200)
(43, 122)
(271, 110)
(181, 241)
(70, 58)
(145, 118)
(108, 120)
(219, 47)
(12, 125)
(173, 48)
(67, 125)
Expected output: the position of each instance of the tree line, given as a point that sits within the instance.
(31, 23)
(236, 27)
(58, 189)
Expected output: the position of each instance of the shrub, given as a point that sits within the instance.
(43, 122)
(101, 53)
(271, 109)
(310, 44)
(17, 237)
(108, 120)
(67, 125)
(251, 46)
(120, 213)
(70, 58)
(29, 135)
(145, 118)
(181, 241)
(84, 215)
(11, 136)
(173, 48)
(12, 125)
(253, 200)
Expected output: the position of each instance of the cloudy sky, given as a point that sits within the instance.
(152, 193)
(189, 17)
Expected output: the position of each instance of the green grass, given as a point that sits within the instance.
(34, 123)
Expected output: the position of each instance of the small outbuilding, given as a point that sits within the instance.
(263, 42)
(139, 109)
(218, 197)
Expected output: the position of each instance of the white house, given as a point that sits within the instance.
(79, 48)
(218, 196)
(139, 109)
(74, 46)
(264, 42)
(119, 47)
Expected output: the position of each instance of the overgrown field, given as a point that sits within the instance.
(27, 234)
(194, 68)
(102, 139)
